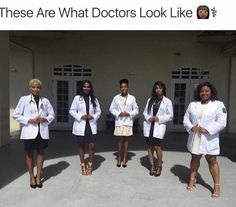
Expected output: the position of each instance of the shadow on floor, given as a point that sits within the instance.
(182, 172)
(54, 170)
(97, 161)
(63, 144)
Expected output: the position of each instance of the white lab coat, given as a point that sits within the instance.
(131, 107)
(213, 120)
(27, 109)
(78, 109)
(164, 114)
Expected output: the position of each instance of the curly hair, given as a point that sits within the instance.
(213, 96)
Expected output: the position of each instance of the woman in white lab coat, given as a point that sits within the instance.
(204, 119)
(125, 109)
(34, 113)
(85, 110)
(158, 111)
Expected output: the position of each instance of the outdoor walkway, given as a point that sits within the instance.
(64, 186)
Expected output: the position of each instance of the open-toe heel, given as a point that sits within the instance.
(158, 171)
(216, 193)
(89, 168)
(191, 184)
(152, 170)
(83, 169)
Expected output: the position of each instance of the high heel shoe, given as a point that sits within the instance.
(151, 172)
(39, 183)
(158, 171)
(83, 169)
(33, 185)
(118, 163)
(216, 193)
(124, 164)
(89, 168)
(191, 184)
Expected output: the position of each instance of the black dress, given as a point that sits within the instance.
(88, 135)
(153, 140)
(38, 143)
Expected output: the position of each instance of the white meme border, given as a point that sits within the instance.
(115, 15)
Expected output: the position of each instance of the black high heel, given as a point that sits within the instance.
(39, 185)
(158, 172)
(34, 185)
(151, 172)
(118, 164)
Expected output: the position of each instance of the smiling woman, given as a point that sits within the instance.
(204, 119)
(34, 113)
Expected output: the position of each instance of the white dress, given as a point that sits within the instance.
(123, 130)
(197, 136)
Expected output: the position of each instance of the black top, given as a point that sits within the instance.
(155, 108)
(88, 131)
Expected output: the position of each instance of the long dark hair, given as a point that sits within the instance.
(91, 93)
(154, 96)
(213, 96)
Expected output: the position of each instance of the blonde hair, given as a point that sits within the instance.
(35, 80)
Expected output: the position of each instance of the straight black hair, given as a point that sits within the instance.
(91, 93)
(154, 96)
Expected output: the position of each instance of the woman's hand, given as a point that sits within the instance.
(84, 117)
(195, 129)
(153, 119)
(42, 120)
(202, 130)
(33, 121)
(89, 117)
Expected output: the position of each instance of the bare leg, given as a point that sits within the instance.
(194, 165)
(30, 166)
(81, 155)
(91, 156)
(151, 158)
(215, 173)
(125, 144)
(120, 145)
(40, 160)
(159, 159)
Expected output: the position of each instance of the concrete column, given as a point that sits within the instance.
(4, 88)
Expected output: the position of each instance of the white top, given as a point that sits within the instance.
(197, 136)
(213, 119)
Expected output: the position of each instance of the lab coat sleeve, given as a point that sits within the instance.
(214, 127)
(187, 119)
(134, 111)
(97, 112)
(114, 109)
(74, 112)
(145, 112)
(18, 114)
(168, 115)
(50, 112)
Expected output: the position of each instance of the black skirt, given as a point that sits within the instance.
(153, 141)
(38, 143)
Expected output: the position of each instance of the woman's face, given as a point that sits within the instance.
(35, 89)
(158, 90)
(86, 88)
(124, 88)
(205, 93)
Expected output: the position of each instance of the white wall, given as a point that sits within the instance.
(4, 88)
(142, 57)
(20, 74)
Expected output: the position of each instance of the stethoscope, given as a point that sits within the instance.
(34, 109)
